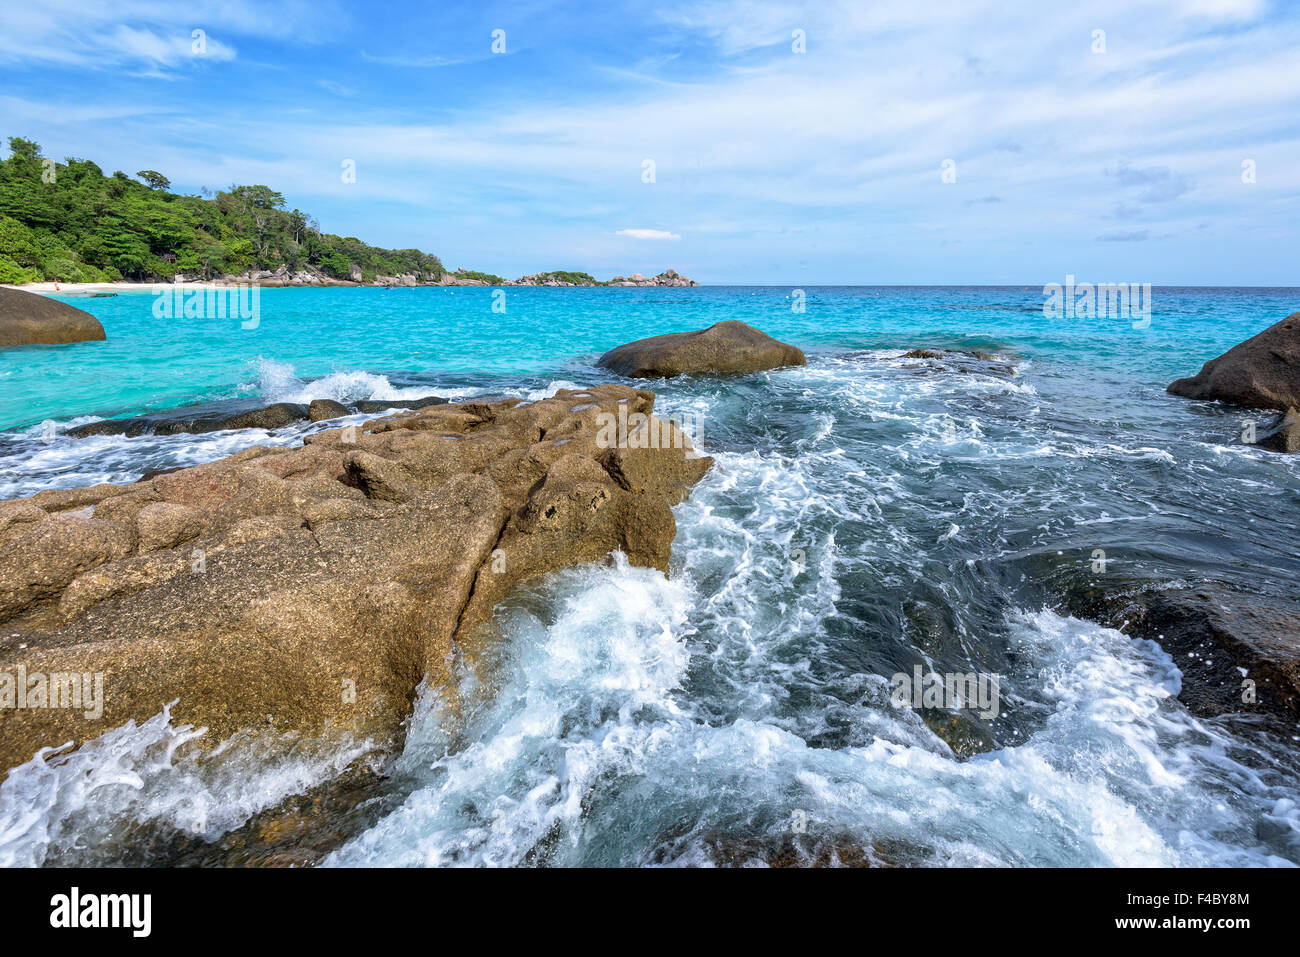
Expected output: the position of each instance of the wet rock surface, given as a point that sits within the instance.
(1239, 652)
(221, 416)
(1261, 373)
(1282, 435)
(313, 588)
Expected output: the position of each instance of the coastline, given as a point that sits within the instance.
(301, 280)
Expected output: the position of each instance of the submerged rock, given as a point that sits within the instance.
(312, 589)
(214, 417)
(743, 847)
(27, 319)
(729, 347)
(952, 354)
(1238, 652)
(1261, 373)
(369, 406)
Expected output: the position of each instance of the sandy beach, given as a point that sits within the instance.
(91, 288)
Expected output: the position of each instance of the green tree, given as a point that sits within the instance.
(154, 179)
(95, 226)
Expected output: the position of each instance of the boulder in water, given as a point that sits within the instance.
(27, 319)
(1261, 373)
(725, 348)
(1284, 434)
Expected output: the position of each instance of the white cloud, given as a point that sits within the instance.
(1225, 9)
(161, 50)
(150, 36)
(647, 234)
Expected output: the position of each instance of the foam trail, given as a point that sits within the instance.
(87, 805)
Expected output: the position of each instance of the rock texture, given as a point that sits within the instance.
(219, 416)
(1261, 373)
(321, 409)
(1284, 434)
(724, 348)
(27, 319)
(313, 588)
(1214, 634)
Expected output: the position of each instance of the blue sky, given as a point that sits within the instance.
(771, 166)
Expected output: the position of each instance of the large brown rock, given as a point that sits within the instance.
(27, 319)
(729, 347)
(313, 588)
(1261, 373)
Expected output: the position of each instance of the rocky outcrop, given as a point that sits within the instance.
(951, 354)
(314, 588)
(724, 348)
(555, 279)
(1261, 373)
(321, 409)
(669, 277)
(1238, 652)
(27, 319)
(217, 417)
(463, 277)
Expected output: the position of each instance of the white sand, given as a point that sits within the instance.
(72, 288)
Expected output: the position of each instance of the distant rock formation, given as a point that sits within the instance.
(314, 276)
(27, 319)
(729, 347)
(669, 277)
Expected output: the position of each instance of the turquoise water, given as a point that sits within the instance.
(867, 513)
(426, 333)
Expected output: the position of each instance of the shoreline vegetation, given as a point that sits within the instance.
(68, 224)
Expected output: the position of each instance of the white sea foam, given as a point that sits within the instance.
(80, 806)
(277, 382)
(535, 395)
(590, 692)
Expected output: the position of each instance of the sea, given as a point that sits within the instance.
(869, 515)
